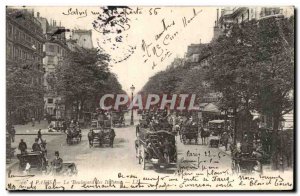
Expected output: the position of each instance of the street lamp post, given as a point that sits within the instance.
(132, 90)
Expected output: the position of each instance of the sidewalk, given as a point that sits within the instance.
(10, 164)
(222, 148)
(29, 129)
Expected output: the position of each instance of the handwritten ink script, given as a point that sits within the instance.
(157, 51)
(198, 171)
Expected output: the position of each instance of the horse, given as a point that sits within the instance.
(204, 135)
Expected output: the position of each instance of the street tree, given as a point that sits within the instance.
(81, 77)
(252, 66)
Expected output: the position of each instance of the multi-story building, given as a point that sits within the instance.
(236, 15)
(56, 51)
(83, 38)
(24, 47)
(198, 55)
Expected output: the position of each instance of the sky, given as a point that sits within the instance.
(146, 33)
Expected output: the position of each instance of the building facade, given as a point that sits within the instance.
(56, 51)
(83, 38)
(236, 15)
(24, 48)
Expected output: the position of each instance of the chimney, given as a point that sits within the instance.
(60, 23)
(38, 14)
(217, 17)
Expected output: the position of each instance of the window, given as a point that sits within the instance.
(51, 48)
(9, 51)
(10, 30)
(195, 58)
(16, 53)
(50, 101)
(50, 59)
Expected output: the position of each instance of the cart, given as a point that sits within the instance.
(103, 137)
(73, 136)
(118, 119)
(216, 127)
(33, 162)
(156, 148)
(246, 164)
(189, 133)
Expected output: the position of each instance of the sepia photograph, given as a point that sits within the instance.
(145, 98)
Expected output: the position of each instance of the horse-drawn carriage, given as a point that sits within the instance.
(246, 164)
(102, 134)
(33, 162)
(157, 148)
(189, 133)
(216, 127)
(246, 158)
(36, 163)
(118, 119)
(73, 135)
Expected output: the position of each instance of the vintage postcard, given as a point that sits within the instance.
(131, 98)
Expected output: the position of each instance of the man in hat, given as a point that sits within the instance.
(39, 135)
(12, 133)
(22, 146)
(57, 163)
(36, 146)
(112, 136)
(91, 137)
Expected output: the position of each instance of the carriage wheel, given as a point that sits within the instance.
(138, 155)
(142, 158)
(235, 167)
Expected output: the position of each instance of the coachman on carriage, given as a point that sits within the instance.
(157, 148)
(73, 134)
(101, 135)
(118, 119)
(189, 132)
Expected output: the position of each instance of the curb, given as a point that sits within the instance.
(11, 165)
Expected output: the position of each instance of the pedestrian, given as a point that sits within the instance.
(33, 121)
(22, 146)
(91, 137)
(12, 133)
(112, 137)
(57, 163)
(64, 124)
(166, 150)
(225, 139)
(39, 135)
(36, 146)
